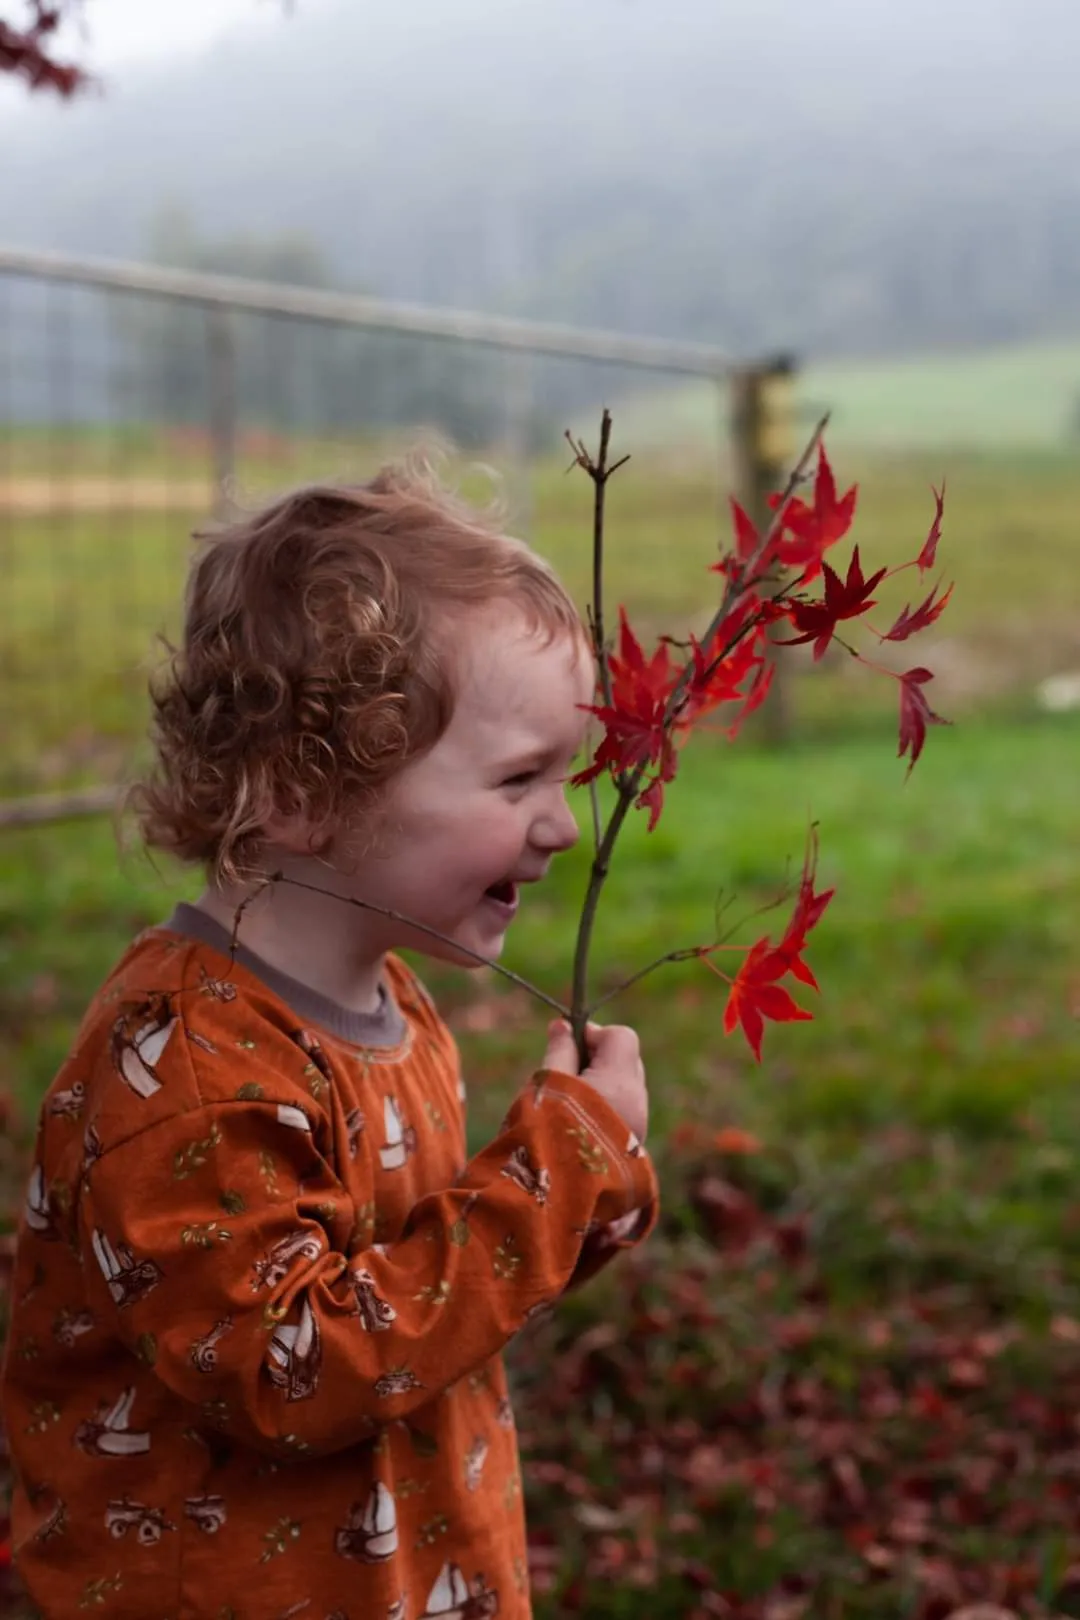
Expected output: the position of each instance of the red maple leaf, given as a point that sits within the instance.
(712, 684)
(756, 696)
(733, 565)
(635, 732)
(631, 673)
(843, 599)
(809, 530)
(755, 995)
(912, 620)
(639, 691)
(755, 992)
(928, 553)
(915, 714)
(747, 538)
(809, 909)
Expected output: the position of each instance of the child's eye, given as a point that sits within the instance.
(521, 779)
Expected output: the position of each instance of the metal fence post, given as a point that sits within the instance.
(763, 442)
(518, 375)
(221, 370)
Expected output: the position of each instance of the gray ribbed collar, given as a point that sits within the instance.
(385, 1027)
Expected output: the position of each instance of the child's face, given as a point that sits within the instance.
(488, 802)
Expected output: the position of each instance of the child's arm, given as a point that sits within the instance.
(214, 1242)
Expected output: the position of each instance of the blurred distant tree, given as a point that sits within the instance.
(288, 375)
(169, 377)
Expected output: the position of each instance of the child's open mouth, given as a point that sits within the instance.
(503, 896)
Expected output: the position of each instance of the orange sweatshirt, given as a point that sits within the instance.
(253, 1367)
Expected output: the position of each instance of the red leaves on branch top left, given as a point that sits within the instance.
(26, 51)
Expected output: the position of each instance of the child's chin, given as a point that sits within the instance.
(488, 943)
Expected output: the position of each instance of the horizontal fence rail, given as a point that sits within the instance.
(375, 314)
(136, 402)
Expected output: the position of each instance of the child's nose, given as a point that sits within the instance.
(567, 831)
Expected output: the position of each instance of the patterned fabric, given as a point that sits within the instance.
(260, 1298)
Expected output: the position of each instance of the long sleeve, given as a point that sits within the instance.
(610, 1239)
(229, 1253)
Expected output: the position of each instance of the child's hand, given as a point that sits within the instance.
(615, 1067)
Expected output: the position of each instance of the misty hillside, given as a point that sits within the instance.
(854, 176)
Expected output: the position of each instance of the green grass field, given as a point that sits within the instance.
(914, 1196)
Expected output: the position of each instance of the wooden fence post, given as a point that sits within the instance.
(764, 450)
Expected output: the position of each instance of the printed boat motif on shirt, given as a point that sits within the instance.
(370, 1532)
(128, 1279)
(452, 1599)
(138, 1039)
(107, 1434)
(294, 1359)
(37, 1210)
(520, 1169)
(400, 1137)
(354, 1128)
(376, 1314)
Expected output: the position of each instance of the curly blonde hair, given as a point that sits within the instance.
(315, 661)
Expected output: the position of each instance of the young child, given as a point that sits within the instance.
(260, 1294)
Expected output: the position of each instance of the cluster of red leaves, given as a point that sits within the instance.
(737, 1441)
(26, 51)
(654, 701)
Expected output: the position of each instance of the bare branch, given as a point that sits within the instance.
(685, 955)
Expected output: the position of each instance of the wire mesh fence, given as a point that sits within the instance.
(136, 404)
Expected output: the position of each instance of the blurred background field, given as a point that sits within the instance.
(843, 1379)
(93, 566)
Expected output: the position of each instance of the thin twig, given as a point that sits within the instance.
(594, 796)
(398, 916)
(599, 471)
(691, 951)
(686, 955)
(234, 938)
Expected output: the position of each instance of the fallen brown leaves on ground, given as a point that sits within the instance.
(736, 1438)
